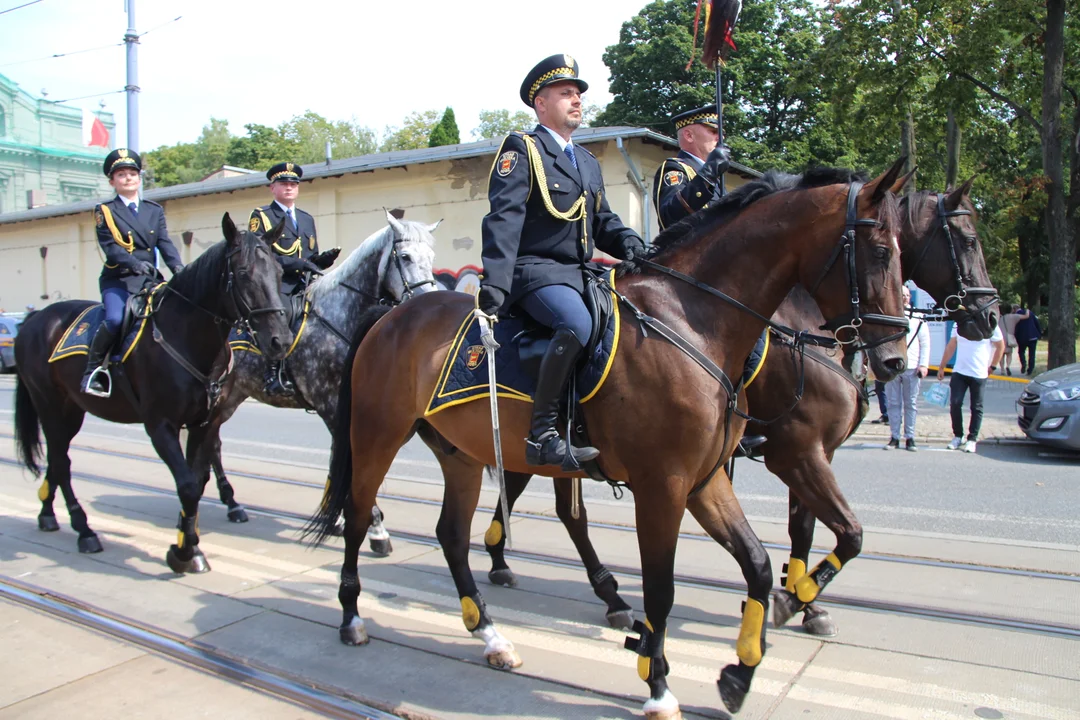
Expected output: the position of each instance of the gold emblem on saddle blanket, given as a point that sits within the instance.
(474, 356)
(83, 327)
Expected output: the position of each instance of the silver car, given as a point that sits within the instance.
(1049, 408)
(9, 328)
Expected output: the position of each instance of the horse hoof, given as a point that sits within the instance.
(382, 548)
(662, 715)
(195, 564)
(353, 634)
(90, 544)
(339, 528)
(504, 577)
(47, 523)
(785, 605)
(621, 619)
(732, 689)
(818, 623)
(504, 660)
(238, 515)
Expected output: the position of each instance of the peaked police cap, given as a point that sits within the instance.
(121, 158)
(550, 70)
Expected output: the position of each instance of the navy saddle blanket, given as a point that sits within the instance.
(242, 340)
(464, 375)
(76, 339)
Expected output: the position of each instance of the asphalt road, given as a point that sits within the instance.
(1019, 493)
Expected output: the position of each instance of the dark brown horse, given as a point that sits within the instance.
(940, 252)
(167, 380)
(663, 424)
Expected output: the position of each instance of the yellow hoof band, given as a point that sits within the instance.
(796, 570)
(179, 538)
(470, 613)
(494, 534)
(834, 561)
(806, 589)
(748, 646)
(644, 664)
(43, 491)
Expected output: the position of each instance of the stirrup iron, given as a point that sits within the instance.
(99, 371)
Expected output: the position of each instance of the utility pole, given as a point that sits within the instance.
(131, 39)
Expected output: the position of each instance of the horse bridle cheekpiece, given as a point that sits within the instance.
(846, 327)
(407, 291)
(244, 312)
(956, 302)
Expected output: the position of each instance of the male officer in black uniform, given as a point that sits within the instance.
(296, 250)
(687, 182)
(129, 228)
(548, 211)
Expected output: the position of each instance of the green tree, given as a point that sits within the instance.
(308, 134)
(445, 131)
(498, 123)
(169, 165)
(212, 147)
(414, 132)
(261, 148)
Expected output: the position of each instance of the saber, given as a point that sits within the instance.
(487, 338)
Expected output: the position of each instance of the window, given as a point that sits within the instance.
(3, 122)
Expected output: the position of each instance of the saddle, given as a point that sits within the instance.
(76, 339)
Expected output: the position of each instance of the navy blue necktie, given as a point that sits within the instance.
(292, 218)
(569, 150)
(134, 209)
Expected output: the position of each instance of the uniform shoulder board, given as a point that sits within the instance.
(582, 147)
(150, 202)
(300, 212)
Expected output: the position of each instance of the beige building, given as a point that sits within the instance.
(51, 253)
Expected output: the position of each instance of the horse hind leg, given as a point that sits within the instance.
(813, 481)
(495, 537)
(816, 620)
(619, 614)
(716, 509)
(47, 517)
(58, 435)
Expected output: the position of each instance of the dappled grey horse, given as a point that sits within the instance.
(389, 267)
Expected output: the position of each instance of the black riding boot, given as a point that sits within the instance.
(747, 445)
(544, 446)
(277, 380)
(99, 346)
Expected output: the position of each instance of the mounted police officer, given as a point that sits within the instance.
(549, 210)
(687, 182)
(296, 250)
(129, 229)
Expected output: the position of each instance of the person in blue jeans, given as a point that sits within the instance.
(129, 229)
(975, 360)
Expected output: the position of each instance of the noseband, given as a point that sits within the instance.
(955, 303)
(846, 327)
(408, 287)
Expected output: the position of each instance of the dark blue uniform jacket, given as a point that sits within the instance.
(679, 189)
(126, 239)
(293, 247)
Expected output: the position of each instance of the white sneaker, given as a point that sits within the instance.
(955, 443)
(968, 447)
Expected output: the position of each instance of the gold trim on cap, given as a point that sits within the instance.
(569, 72)
(703, 118)
(283, 173)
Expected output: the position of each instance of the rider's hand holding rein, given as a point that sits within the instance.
(490, 300)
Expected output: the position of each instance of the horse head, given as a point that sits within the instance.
(866, 311)
(943, 256)
(254, 282)
(406, 265)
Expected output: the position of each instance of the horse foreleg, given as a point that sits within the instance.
(185, 556)
(463, 478)
(719, 513)
(604, 584)
(816, 621)
(495, 537)
(658, 509)
(811, 478)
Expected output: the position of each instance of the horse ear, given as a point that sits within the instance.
(955, 197)
(395, 223)
(431, 228)
(902, 181)
(884, 182)
(274, 234)
(228, 229)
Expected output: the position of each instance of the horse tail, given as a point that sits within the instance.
(339, 481)
(27, 429)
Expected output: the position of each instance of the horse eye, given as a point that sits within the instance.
(881, 253)
(405, 257)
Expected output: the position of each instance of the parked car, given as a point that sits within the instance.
(9, 328)
(1049, 408)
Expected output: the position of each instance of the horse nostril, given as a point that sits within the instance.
(275, 344)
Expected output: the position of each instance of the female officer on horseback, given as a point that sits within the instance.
(548, 211)
(128, 229)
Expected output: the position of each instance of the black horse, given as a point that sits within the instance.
(169, 381)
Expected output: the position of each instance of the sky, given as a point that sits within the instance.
(264, 62)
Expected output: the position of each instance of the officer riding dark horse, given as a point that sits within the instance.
(297, 250)
(548, 212)
(129, 229)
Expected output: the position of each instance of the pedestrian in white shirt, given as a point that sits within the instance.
(974, 362)
(902, 392)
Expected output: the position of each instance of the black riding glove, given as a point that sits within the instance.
(633, 248)
(490, 299)
(326, 258)
(312, 268)
(142, 267)
(176, 268)
(717, 163)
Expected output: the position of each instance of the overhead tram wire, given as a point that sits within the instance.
(19, 7)
(86, 50)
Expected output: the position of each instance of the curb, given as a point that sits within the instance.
(860, 437)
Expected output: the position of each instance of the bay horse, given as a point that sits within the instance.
(389, 267)
(663, 422)
(941, 253)
(169, 381)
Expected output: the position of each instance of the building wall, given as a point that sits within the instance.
(347, 209)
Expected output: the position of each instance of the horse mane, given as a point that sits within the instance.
(373, 246)
(771, 183)
(202, 276)
(914, 202)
